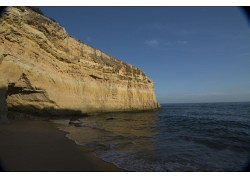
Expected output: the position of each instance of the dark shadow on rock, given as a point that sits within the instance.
(2, 10)
(31, 109)
(110, 118)
(3, 104)
(12, 89)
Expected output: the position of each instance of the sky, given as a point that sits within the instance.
(193, 54)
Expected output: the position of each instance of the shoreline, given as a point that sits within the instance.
(37, 145)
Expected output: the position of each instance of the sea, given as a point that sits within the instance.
(178, 137)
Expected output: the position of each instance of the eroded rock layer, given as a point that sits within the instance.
(43, 69)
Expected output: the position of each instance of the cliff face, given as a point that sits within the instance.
(44, 70)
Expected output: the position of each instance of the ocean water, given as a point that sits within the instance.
(178, 137)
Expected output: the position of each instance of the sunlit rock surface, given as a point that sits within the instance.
(45, 70)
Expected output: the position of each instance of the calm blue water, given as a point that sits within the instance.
(179, 137)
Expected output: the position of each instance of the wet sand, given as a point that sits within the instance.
(37, 145)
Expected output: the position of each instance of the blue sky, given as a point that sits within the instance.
(193, 54)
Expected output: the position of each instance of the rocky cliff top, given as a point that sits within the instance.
(54, 39)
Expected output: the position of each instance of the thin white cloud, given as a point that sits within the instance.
(174, 43)
(152, 43)
(182, 42)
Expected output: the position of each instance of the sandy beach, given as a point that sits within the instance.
(37, 145)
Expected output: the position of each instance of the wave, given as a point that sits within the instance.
(207, 137)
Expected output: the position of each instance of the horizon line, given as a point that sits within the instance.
(205, 102)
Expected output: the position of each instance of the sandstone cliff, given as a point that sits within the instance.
(45, 70)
